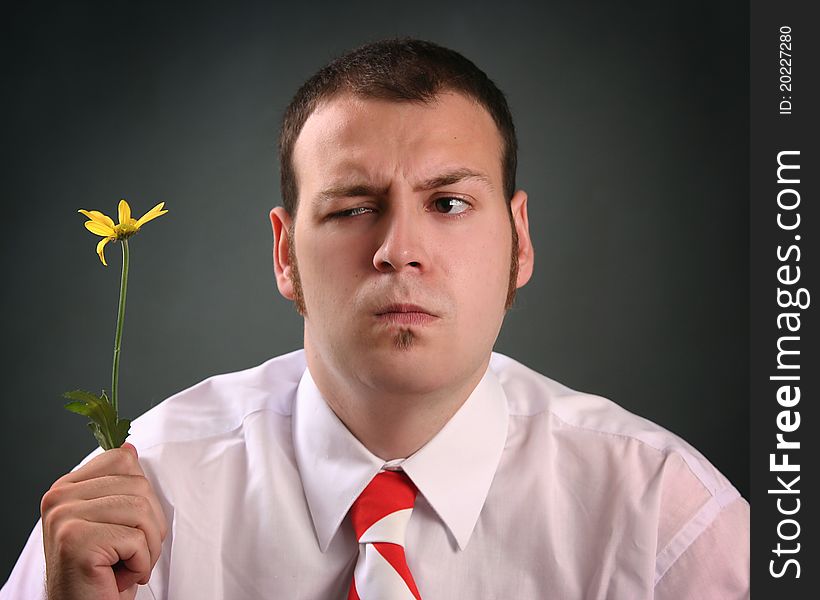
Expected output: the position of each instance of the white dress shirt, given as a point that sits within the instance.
(530, 491)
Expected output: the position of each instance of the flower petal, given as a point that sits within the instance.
(97, 216)
(124, 211)
(100, 229)
(100, 248)
(151, 214)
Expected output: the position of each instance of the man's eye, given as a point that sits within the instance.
(352, 212)
(450, 205)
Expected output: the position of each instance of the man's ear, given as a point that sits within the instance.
(526, 253)
(280, 223)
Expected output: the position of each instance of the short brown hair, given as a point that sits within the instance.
(401, 70)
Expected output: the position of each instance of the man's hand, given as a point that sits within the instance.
(103, 528)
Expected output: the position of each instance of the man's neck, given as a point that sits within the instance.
(390, 423)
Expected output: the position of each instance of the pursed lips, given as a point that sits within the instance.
(405, 314)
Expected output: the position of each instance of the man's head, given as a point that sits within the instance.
(402, 239)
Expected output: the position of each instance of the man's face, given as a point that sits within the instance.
(401, 248)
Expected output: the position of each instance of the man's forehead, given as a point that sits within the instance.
(348, 136)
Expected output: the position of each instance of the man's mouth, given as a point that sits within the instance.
(405, 314)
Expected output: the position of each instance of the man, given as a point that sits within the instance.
(396, 456)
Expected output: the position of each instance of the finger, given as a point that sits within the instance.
(118, 461)
(111, 485)
(135, 564)
(121, 511)
(92, 550)
(127, 580)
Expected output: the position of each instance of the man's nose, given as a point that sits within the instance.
(403, 244)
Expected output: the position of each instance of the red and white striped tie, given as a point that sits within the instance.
(380, 515)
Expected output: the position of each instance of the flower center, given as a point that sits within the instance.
(126, 230)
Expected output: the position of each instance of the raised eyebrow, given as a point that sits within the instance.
(451, 177)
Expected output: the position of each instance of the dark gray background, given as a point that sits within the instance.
(633, 128)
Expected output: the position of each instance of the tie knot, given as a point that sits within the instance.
(382, 510)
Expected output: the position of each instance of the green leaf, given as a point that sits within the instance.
(81, 408)
(120, 432)
(109, 430)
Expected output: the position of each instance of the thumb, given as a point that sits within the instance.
(130, 447)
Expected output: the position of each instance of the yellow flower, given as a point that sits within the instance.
(104, 226)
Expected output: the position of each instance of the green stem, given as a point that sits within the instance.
(115, 372)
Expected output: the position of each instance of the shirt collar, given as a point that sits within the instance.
(453, 471)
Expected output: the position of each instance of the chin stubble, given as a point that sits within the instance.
(404, 339)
